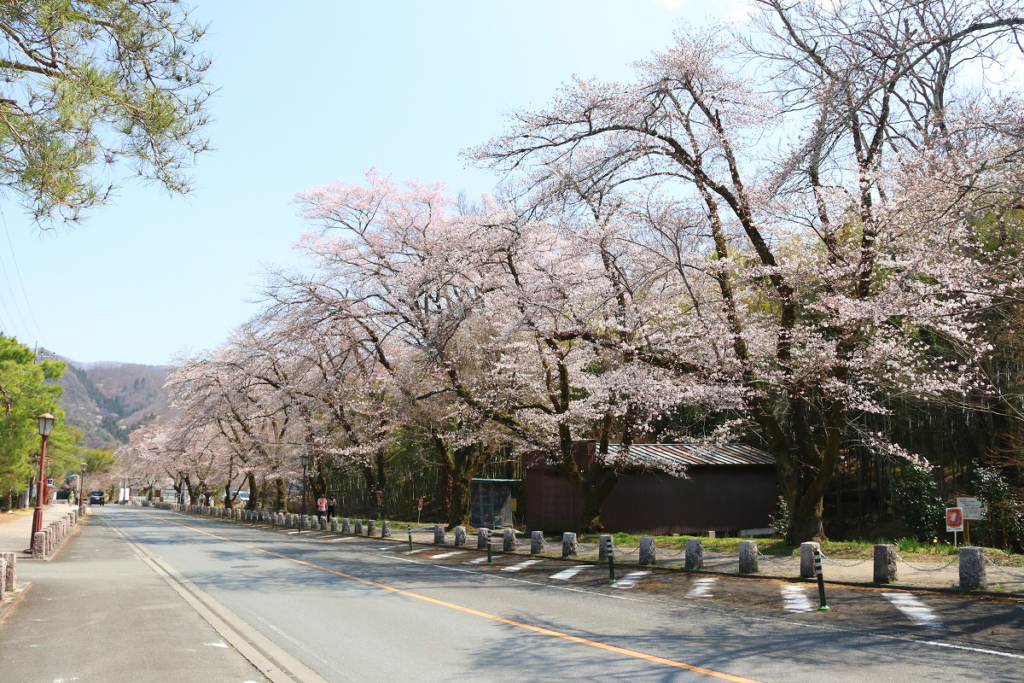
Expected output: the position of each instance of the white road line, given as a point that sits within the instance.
(914, 609)
(520, 566)
(417, 550)
(794, 599)
(567, 574)
(451, 554)
(343, 538)
(702, 588)
(629, 580)
(479, 560)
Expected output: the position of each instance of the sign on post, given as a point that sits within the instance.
(954, 519)
(974, 508)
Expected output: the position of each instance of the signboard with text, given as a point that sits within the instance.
(974, 508)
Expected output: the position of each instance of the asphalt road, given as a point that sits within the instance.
(365, 610)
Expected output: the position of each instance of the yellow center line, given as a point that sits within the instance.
(469, 610)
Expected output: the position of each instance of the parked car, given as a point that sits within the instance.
(97, 498)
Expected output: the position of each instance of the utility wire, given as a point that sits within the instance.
(21, 282)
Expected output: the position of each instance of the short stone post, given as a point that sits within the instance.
(807, 549)
(536, 542)
(603, 544)
(460, 536)
(508, 541)
(346, 525)
(3, 577)
(358, 527)
(12, 569)
(569, 545)
(385, 529)
(334, 524)
(694, 554)
(885, 563)
(438, 534)
(39, 545)
(648, 551)
(972, 568)
(748, 557)
(483, 538)
(371, 527)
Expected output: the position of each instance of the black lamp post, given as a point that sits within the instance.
(305, 479)
(45, 427)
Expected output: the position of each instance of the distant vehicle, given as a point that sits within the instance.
(243, 495)
(97, 498)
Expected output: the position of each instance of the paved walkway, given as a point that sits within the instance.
(16, 527)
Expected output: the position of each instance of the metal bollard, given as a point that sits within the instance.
(821, 580)
(490, 543)
(410, 538)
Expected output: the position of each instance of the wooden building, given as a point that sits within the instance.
(726, 489)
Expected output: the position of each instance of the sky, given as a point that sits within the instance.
(308, 96)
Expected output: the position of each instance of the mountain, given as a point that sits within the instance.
(108, 400)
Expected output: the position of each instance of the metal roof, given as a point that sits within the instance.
(695, 454)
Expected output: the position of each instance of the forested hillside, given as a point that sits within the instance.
(109, 400)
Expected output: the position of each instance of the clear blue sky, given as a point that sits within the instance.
(309, 95)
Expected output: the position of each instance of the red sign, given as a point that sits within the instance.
(954, 519)
(419, 505)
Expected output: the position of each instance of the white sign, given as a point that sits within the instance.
(954, 519)
(974, 508)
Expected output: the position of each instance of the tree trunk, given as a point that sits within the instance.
(280, 500)
(598, 483)
(253, 490)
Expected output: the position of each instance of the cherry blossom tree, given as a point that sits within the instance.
(815, 216)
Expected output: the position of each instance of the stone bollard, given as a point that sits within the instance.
(569, 546)
(748, 557)
(385, 529)
(972, 568)
(603, 544)
(371, 527)
(438, 534)
(280, 519)
(483, 538)
(334, 524)
(3, 577)
(885, 563)
(536, 542)
(357, 527)
(39, 545)
(460, 536)
(648, 551)
(346, 525)
(807, 549)
(12, 569)
(508, 541)
(694, 554)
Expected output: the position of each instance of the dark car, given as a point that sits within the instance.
(97, 498)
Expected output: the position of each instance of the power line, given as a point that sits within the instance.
(21, 282)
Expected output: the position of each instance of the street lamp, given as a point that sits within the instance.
(45, 427)
(81, 491)
(305, 478)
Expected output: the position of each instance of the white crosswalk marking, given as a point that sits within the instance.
(520, 566)
(444, 555)
(567, 574)
(794, 599)
(629, 580)
(702, 588)
(914, 609)
(479, 560)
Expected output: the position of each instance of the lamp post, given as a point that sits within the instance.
(305, 478)
(81, 491)
(45, 427)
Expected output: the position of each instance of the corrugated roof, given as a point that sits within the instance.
(695, 454)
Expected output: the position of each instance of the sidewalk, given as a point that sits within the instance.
(16, 528)
(127, 622)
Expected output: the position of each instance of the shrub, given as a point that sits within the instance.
(916, 502)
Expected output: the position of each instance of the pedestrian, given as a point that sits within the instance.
(332, 507)
(321, 506)
(202, 500)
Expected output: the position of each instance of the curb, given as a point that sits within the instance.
(7, 605)
(982, 595)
